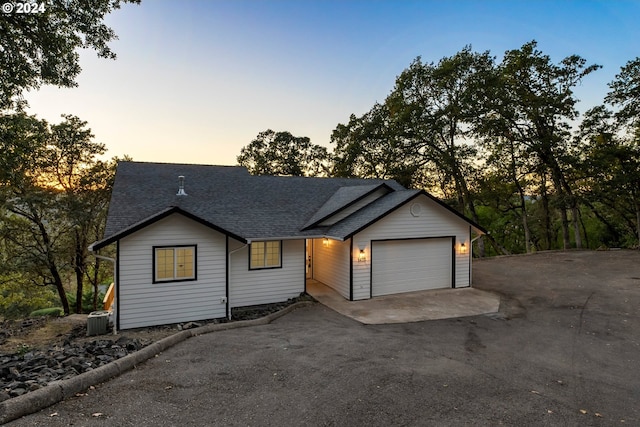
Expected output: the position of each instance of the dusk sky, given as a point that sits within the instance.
(195, 81)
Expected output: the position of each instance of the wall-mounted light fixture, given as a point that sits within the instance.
(462, 249)
(362, 257)
(325, 242)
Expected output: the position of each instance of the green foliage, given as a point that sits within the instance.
(53, 199)
(366, 147)
(18, 298)
(51, 312)
(281, 153)
(496, 140)
(87, 300)
(23, 349)
(42, 48)
(625, 93)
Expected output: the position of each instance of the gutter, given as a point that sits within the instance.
(115, 292)
(310, 236)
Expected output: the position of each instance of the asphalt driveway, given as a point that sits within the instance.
(563, 350)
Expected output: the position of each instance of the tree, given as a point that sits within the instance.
(85, 184)
(610, 170)
(367, 147)
(505, 182)
(281, 153)
(625, 93)
(432, 106)
(18, 298)
(31, 241)
(53, 197)
(42, 48)
(531, 106)
(423, 128)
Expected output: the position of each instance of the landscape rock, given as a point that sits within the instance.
(22, 373)
(29, 370)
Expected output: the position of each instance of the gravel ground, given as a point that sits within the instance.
(564, 350)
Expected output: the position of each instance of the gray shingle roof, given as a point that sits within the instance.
(243, 206)
(227, 197)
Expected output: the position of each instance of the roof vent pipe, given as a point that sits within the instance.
(181, 186)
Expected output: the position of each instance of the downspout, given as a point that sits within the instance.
(115, 293)
(477, 237)
(229, 270)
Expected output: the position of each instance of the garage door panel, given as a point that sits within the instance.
(410, 265)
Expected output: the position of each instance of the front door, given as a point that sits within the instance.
(309, 263)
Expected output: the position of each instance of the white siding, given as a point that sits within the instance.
(144, 303)
(264, 286)
(433, 221)
(331, 265)
(339, 216)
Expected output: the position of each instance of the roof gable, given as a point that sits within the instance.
(385, 206)
(343, 198)
(155, 218)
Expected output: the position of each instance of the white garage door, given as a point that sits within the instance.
(410, 265)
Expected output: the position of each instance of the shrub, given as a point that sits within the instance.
(18, 298)
(52, 312)
(87, 300)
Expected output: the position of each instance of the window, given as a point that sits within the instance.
(265, 254)
(172, 264)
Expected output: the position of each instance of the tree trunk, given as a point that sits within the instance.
(79, 286)
(497, 246)
(523, 205)
(527, 234)
(57, 281)
(636, 207)
(638, 222)
(78, 267)
(575, 214)
(94, 282)
(584, 230)
(566, 239)
(559, 187)
(523, 210)
(53, 268)
(604, 220)
(60, 288)
(467, 199)
(547, 214)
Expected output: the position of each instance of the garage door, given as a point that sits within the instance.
(410, 265)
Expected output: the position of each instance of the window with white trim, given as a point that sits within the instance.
(267, 254)
(174, 263)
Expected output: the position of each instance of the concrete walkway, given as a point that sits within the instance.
(410, 306)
